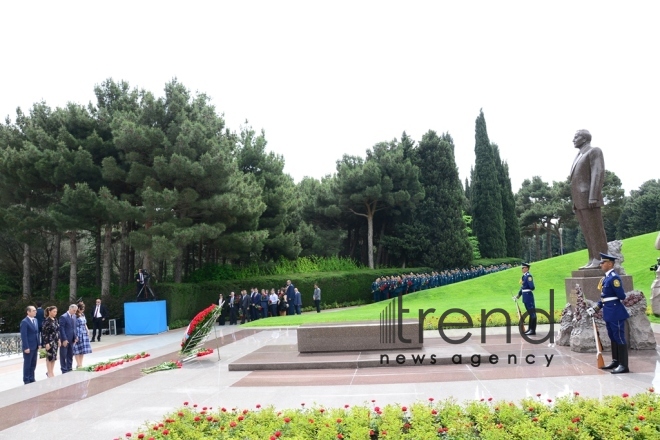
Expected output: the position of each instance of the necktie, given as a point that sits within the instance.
(96, 313)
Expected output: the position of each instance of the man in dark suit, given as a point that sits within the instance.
(245, 306)
(29, 344)
(291, 297)
(139, 285)
(68, 337)
(233, 309)
(587, 179)
(40, 319)
(99, 315)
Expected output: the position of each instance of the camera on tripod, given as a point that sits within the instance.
(145, 292)
(655, 266)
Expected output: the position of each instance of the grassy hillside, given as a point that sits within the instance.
(494, 290)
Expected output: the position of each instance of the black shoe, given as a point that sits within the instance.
(530, 333)
(620, 369)
(612, 365)
(623, 360)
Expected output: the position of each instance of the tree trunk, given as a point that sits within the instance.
(27, 287)
(107, 262)
(370, 239)
(548, 235)
(97, 261)
(186, 262)
(73, 272)
(379, 252)
(201, 250)
(56, 265)
(131, 265)
(178, 263)
(123, 256)
(352, 243)
(537, 235)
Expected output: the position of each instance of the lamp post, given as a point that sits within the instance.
(561, 241)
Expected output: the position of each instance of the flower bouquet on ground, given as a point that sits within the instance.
(114, 362)
(203, 352)
(198, 330)
(172, 365)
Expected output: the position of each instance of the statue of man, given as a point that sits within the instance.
(587, 178)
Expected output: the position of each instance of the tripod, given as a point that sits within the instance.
(149, 294)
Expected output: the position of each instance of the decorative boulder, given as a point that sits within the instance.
(640, 332)
(565, 327)
(582, 335)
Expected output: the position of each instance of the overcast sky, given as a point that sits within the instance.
(327, 78)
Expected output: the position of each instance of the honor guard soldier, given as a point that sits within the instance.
(614, 314)
(526, 291)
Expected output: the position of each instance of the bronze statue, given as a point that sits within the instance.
(587, 178)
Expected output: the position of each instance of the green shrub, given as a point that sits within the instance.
(179, 323)
(570, 417)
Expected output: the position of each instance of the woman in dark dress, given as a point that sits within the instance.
(50, 337)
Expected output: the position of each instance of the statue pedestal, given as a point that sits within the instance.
(588, 279)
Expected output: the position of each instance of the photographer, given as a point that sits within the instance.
(141, 281)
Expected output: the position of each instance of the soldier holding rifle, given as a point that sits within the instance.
(526, 291)
(614, 314)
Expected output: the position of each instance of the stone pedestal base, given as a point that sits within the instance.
(588, 279)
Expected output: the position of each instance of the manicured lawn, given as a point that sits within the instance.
(493, 291)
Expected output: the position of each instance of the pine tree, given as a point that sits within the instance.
(487, 219)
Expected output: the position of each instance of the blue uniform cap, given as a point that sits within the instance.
(606, 257)
(526, 265)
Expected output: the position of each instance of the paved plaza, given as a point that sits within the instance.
(262, 366)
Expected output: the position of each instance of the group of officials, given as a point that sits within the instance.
(262, 304)
(43, 329)
(387, 287)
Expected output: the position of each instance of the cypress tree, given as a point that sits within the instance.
(487, 219)
(441, 211)
(511, 223)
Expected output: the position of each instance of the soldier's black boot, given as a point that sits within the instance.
(623, 360)
(532, 327)
(615, 358)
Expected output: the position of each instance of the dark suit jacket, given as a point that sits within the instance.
(103, 311)
(29, 335)
(68, 330)
(587, 178)
(290, 294)
(40, 317)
